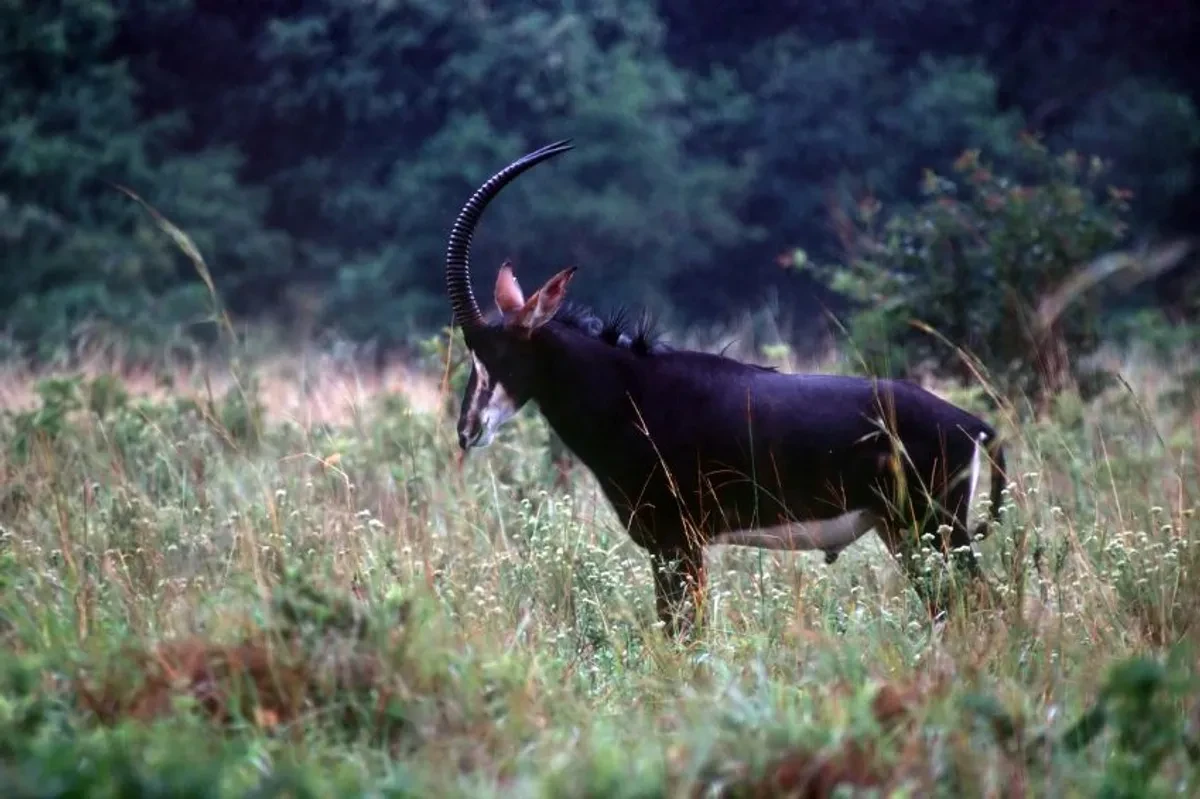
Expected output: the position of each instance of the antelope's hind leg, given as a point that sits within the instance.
(679, 583)
(960, 544)
(955, 514)
(923, 525)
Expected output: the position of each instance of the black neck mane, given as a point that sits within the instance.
(638, 336)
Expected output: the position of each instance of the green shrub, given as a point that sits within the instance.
(973, 262)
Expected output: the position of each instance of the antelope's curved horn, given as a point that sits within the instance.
(458, 250)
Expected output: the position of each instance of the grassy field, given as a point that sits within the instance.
(287, 584)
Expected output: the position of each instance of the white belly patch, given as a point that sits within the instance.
(826, 535)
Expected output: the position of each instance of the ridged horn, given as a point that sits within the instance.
(458, 250)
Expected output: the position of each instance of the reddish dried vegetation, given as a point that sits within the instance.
(859, 764)
(316, 659)
(269, 681)
(815, 776)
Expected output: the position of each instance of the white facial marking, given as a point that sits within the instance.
(487, 408)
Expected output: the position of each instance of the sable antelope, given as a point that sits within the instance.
(695, 449)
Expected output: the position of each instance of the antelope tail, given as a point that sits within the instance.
(995, 452)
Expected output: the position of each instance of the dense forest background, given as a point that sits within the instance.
(317, 150)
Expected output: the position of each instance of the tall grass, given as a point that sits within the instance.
(289, 582)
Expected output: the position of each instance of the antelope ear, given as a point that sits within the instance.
(545, 302)
(508, 295)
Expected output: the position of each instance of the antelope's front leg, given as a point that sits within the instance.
(679, 581)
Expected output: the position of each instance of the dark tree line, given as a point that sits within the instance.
(319, 148)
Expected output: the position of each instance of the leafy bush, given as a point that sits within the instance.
(974, 261)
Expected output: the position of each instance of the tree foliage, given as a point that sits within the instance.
(1146, 132)
(75, 248)
(370, 123)
(324, 145)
